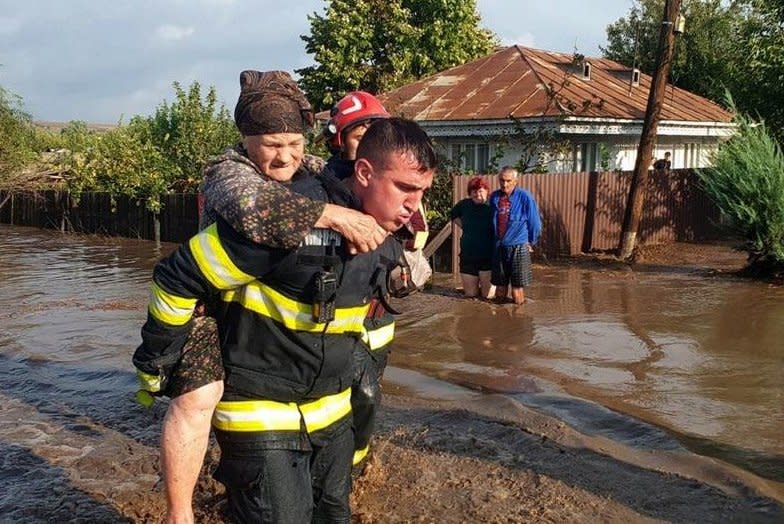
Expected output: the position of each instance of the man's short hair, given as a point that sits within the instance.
(508, 169)
(397, 135)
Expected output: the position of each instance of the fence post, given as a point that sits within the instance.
(156, 227)
(437, 240)
(62, 211)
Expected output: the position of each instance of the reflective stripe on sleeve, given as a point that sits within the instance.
(267, 415)
(168, 308)
(147, 382)
(296, 316)
(214, 262)
(380, 337)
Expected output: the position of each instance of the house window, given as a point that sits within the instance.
(585, 157)
(692, 158)
(482, 158)
(470, 157)
(454, 154)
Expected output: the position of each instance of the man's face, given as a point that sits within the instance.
(391, 193)
(507, 181)
(278, 155)
(351, 140)
(479, 195)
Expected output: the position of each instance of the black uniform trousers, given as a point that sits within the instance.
(286, 482)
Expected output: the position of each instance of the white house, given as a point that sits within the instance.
(594, 106)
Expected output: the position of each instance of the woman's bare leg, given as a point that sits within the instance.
(470, 284)
(184, 439)
(487, 289)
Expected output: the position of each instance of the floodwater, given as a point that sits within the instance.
(656, 360)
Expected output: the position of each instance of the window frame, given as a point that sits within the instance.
(478, 158)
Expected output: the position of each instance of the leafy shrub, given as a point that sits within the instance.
(17, 135)
(188, 131)
(152, 155)
(438, 200)
(121, 162)
(747, 183)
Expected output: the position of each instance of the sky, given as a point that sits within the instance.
(106, 61)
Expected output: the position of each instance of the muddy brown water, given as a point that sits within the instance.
(665, 359)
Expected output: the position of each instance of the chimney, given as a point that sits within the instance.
(635, 77)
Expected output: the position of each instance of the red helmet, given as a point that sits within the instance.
(355, 108)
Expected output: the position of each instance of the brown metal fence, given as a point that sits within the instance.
(98, 213)
(583, 212)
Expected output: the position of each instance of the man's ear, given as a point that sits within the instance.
(363, 171)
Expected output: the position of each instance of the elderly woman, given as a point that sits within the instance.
(474, 216)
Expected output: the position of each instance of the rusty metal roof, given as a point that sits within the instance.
(515, 82)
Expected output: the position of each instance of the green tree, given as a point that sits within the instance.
(17, 134)
(737, 45)
(448, 33)
(758, 86)
(632, 39)
(705, 53)
(377, 45)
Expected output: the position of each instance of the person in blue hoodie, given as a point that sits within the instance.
(517, 227)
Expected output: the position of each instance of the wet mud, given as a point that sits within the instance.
(613, 394)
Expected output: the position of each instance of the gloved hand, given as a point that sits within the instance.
(157, 357)
(153, 376)
(149, 387)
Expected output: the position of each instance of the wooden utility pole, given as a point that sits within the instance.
(631, 219)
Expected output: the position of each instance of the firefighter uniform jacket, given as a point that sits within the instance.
(286, 369)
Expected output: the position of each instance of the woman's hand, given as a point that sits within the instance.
(361, 231)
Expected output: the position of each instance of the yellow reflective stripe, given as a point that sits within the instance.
(147, 382)
(262, 299)
(214, 262)
(268, 415)
(379, 337)
(256, 415)
(168, 308)
(326, 410)
(360, 454)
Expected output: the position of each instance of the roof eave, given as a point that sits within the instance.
(575, 126)
(623, 126)
(488, 127)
